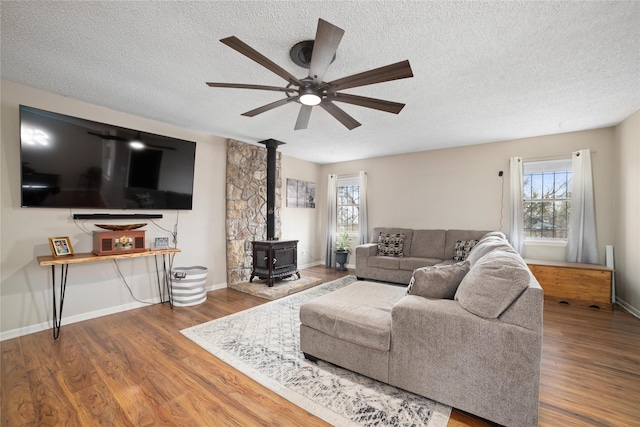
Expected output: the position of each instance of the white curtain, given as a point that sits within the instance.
(331, 219)
(516, 226)
(581, 238)
(363, 224)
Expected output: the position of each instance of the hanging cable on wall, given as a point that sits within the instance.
(501, 175)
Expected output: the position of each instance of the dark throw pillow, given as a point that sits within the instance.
(390, 244)
(462, 249)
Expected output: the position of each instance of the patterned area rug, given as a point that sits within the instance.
(281, 288)
(264, 343)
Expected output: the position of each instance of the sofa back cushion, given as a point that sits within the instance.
(428, 244)
(493, 283)
(487, 245)
(493, 234)
(406, 241)
(453, 236)
(439, 282)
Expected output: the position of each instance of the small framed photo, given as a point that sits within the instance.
(60, 246)
(161, 243)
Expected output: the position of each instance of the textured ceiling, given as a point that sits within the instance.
(483, 71)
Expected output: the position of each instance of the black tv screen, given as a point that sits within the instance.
(68, 162)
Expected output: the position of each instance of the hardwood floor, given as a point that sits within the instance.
(136, 369)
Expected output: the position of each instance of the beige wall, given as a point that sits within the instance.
(302, 223)
(95, 288)
(449, 188)
(627, 212)
(460, 187)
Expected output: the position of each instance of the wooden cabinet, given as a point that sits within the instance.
(586, 285)
(274, 259)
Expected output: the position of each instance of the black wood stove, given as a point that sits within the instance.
(273, 259)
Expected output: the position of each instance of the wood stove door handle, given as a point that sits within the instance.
(274, 261)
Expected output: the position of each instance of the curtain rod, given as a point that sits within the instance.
(558, 157)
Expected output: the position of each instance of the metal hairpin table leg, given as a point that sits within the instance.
(167, 280)
(159, 282)
(57, 314)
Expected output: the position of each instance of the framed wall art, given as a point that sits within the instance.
(301, 194)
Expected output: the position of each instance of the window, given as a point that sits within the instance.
(547, 198)
(348, 205)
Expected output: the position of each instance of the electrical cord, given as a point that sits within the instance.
(82, 226)
(127, 285)
(501, 201)
(312, 257)
(174, 233)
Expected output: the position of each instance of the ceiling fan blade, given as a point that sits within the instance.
(270, 106)
(160, 147)
(362, 101)
(328, 38)
(399, 70)
(349, 122)
(108, 137)
(246, 86)
(240, 46)
(303, 117)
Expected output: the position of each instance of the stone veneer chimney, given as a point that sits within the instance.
(246, 210)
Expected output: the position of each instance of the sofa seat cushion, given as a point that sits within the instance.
(359, 313)
(390, 263)
(412, 263)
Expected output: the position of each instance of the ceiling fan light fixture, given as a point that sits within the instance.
(310, 96)
(136, 145)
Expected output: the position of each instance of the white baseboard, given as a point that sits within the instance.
(632, 310)
(216, 287)
(312, 264)
(67, 320)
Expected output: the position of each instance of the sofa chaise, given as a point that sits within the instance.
(466, 334)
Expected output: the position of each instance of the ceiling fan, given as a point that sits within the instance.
(312, 90)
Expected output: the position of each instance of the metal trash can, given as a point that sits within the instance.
(188, 285)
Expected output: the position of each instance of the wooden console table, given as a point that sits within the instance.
(65, 261)
(585, 285)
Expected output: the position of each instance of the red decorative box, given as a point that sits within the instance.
(118, 242)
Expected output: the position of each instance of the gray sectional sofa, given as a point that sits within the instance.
(466, 334)
(420, 248)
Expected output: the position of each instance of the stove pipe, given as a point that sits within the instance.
(272, 147)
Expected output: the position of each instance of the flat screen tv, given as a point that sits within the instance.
(68, 162)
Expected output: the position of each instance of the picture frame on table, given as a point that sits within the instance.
(60, 246)
(161, 243)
